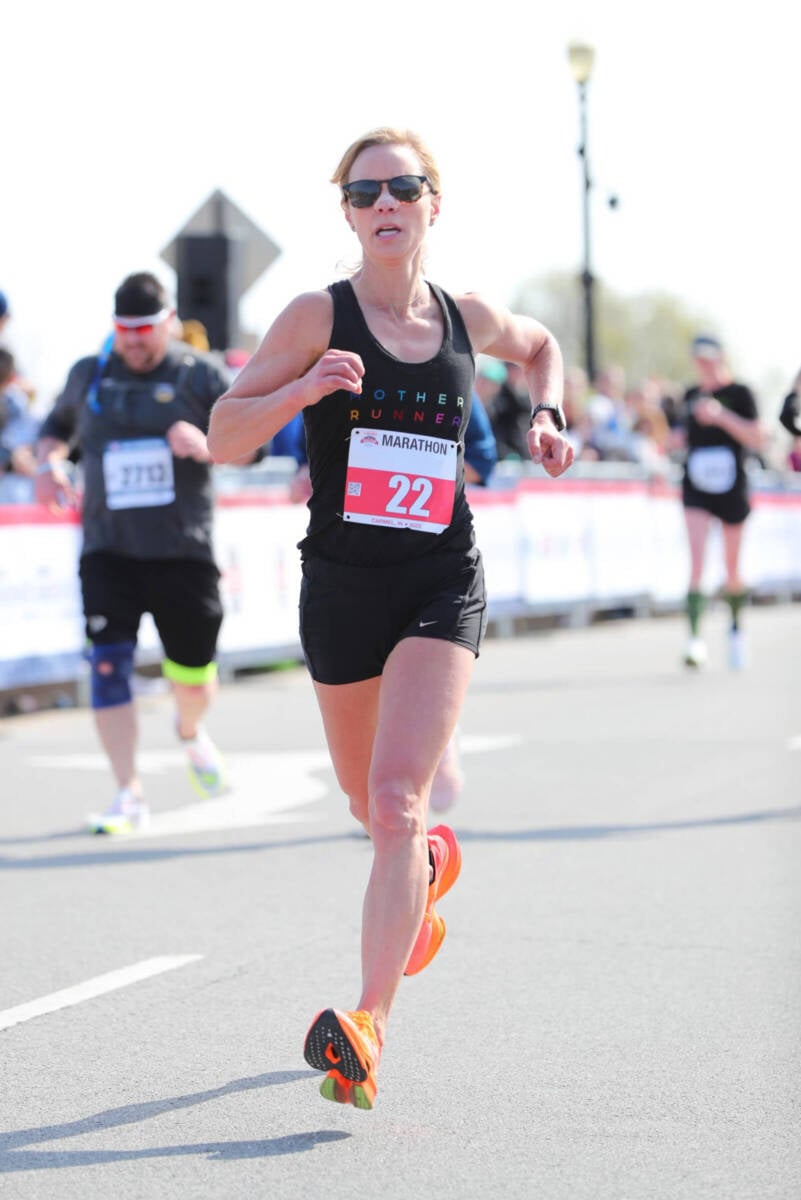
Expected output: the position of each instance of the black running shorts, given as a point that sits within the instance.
(182, 595)
(351, 618)
(729, 507)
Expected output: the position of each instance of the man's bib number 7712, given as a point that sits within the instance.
(401, 480)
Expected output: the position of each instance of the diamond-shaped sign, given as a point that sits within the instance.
(219, 214)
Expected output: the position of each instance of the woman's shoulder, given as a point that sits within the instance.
(482, 318)
(313, 303)
(309, 316)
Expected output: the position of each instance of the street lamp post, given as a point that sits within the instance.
(581, 57)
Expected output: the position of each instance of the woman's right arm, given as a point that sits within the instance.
(292, 369)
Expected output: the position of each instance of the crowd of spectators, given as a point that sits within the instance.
(18, 426)
(609, 418)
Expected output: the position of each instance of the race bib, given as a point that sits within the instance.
(138, 473)
(400, 480)
(712, 469)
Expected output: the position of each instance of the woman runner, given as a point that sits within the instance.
(393, 605)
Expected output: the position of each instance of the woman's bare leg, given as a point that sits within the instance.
(419, 698)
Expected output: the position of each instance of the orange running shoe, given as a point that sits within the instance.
(446, 856)
(344, 1045)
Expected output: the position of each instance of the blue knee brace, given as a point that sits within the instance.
(112, 667)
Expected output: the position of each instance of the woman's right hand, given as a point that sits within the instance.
(336, 370)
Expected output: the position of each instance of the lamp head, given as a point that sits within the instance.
(581, 57)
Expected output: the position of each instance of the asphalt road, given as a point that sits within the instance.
(616, 1011)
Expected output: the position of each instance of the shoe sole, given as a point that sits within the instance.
(328, 1047)
(116, 826)
(335, 1087)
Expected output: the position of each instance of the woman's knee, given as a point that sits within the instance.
(396, 807)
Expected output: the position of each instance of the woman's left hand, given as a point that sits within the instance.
(549, 447)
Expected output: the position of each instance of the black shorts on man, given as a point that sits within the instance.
(182, 595)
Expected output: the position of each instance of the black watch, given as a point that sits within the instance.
(556, 411)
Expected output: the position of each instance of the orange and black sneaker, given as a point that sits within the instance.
(446, 859)
(344, 1045)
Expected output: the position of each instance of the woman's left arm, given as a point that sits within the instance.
(511, 337)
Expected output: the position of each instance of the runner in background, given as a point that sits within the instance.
(393, 605)
(721, 422)
(136, 415)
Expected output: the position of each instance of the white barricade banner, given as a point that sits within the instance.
(547, 545)
(499, 534)
(555, 522)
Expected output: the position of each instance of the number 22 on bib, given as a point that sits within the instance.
(400, 480)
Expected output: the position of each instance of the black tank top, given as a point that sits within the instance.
(428, 400)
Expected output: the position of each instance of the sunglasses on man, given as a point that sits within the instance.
(141, 325)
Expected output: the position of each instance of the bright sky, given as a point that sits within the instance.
(121, 120)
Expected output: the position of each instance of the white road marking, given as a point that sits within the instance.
(794, 743)
(94, 987)
(265, 788)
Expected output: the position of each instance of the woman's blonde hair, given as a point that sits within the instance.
(386, 136)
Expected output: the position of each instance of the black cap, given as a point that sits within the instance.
(140, 295)
(706, 345)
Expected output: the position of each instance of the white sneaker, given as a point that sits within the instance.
(206, 766)
(695, 654)
(737, 654)
(127, 814)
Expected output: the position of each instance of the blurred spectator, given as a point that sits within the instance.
(579, 424)
(649, 438)
(480, 447)
(235, 359)
(509, 409)
(790, 415)
(609, 418)
(790, 418)
(22, 385)
(18, 428)
(490, 376)
(194, 334)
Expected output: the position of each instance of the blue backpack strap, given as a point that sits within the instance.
(100, 366)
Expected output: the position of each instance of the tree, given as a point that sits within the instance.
(648, 334)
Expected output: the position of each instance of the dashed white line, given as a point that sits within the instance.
(94, 987)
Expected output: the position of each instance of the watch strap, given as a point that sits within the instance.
(556, 411)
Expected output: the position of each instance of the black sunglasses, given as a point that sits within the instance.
(363, 193)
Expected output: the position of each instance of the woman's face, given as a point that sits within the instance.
(390, 228)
